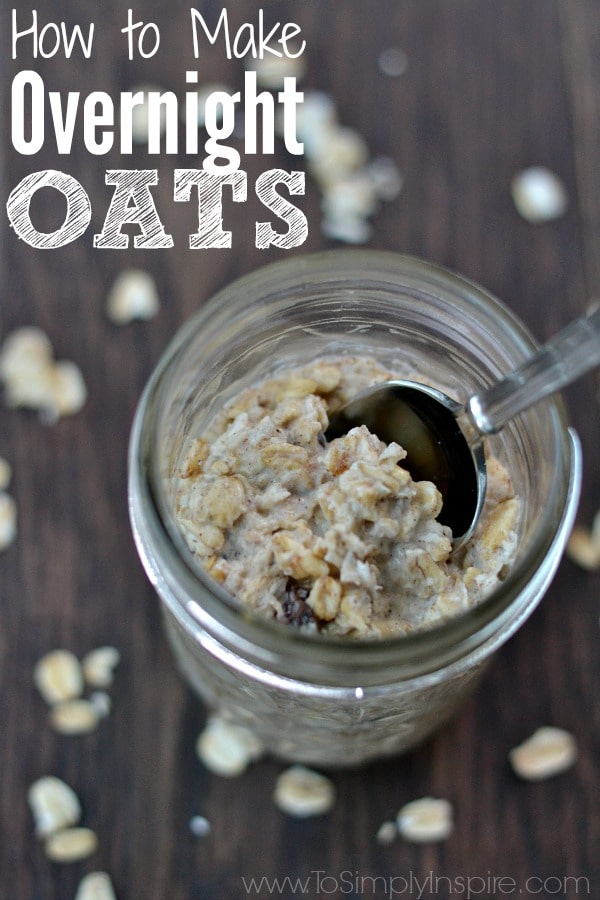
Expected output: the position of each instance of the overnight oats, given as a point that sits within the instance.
(308, 586)
(335, 536)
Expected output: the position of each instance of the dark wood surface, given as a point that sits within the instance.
(491, 86)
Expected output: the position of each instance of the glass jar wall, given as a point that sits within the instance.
(308, 697)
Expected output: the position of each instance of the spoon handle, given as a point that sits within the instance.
(568, 355)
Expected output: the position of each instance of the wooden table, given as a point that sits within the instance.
(491, 86)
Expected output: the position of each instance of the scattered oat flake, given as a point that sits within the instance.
(66, 392)
(5, 473)
(337, 152)
(227, 749)
(338, 158)
(8, 520)
(539, 194)
(99, 664)
(351, 197)
(133, 296)
(71, 845)
(314, 115)
(199, 826)
(426, 820)
(583, 546)
(25, 352)
(386, 833)
(54, 805)
(101, 702)
(74, 717)
(141, 114)
(393, 62)
(349, 231)
(385, 176)
(302, 792)
(58, 676)
(583, 550)
(95, 886)
(33, 380)
(547, 752)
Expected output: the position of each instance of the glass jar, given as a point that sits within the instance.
(309, 698)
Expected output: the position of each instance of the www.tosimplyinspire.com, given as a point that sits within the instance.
(319, 883)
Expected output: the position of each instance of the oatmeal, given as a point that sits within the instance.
(331, 536)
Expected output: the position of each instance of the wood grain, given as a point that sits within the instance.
(491, 87)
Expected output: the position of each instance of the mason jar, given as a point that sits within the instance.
(308, 697)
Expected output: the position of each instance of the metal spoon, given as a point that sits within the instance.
(443, 438)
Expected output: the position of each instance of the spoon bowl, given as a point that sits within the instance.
(426, 423)
(443, 438)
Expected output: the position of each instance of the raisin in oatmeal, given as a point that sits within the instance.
(336, 536)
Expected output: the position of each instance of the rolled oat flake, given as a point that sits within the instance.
(134, 295)
(583, 546)
(227, 749)
(99, 664)
(8, 520)
(386, 833)
(425, 820)
(54, 805)
(71, 845)
(301, 792)
(74, 717)
(95, 886)
(539, 194)
(5, 473)
(58, 676)
(547, 752)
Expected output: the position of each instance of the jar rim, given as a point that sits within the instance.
(165, 557)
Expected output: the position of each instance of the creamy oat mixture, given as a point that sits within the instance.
(334, 537)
